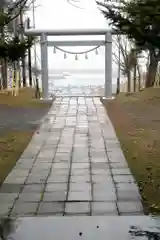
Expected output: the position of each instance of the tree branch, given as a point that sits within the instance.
(73, 3)
(15, 8)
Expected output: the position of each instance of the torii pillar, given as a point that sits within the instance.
(44, 65)
(108, 66)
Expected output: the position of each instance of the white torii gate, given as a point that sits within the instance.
(74, 32)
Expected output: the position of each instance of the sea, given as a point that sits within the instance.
(77, 82)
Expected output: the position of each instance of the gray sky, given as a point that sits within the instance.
(55, 14)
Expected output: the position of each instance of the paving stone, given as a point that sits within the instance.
(129, 207)
(33, 188)
(80, 166)
(43, 160)
(115, 157)
(79, 196)
(56, 196)
(100, 165)
(63, 150)
(121, 171)
(29, 155)
(30, 197)
(119, 165)
(57, 179)
(58, 160)
(103, 208)
(103, 186)
(61, 166)
(80, 159)
(78, 187)
(77, 208)
(81, 178)
(18, 173)
(51, 208)
(123, 178)
(42, 166)
(10, 188)
(101, 172)
(101, 195)
(102, 178)
(112, 145)
(24, 208)
(63, 172)
(39, 169)
(80, 172)
(63, 155)
(51, 187)
(46, 154)
(39, 172)
(5, 209)
(126, 186)
(81, 151)
(15, 180)
(36, 179)
(99, 160)
(99, 155)
(128, 195)
(8, 197)
(24, 164)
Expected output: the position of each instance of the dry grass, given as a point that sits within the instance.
(136, 119)
(12, 146)
(25, 98)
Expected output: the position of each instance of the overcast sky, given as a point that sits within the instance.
(56, 14)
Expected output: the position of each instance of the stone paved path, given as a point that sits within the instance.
(73, 166)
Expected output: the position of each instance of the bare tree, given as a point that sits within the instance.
(128, 59)
(14, 8)
(123, 45)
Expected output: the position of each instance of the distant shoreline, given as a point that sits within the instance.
(79, 71)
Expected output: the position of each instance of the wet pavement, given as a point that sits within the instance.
(19, 118)
(86, 228)
(73, 166)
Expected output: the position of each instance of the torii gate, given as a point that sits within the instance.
(74, 32)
